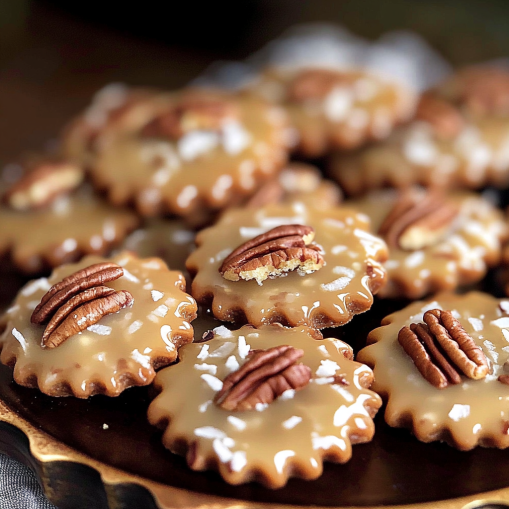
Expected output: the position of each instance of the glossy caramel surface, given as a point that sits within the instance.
(362, 106)
(73, 225)
(384, 471)
(287, 437)
(467, 414)
(118, 351)
(460, 256)
(343, 287)
(202, 169)
(414, 154)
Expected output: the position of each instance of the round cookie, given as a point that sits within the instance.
(459, 138)
(335, 109)
(305, 401)
(48, 218)
(466, 404)
(103, 329)
(320, 284)
(198, 151)
(436, 241)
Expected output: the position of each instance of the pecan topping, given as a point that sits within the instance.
(272, 254)
(441, 349)
(191, 113)
(504, 379)
(42, 184)
(445, 118)
(263, 378)
(415, 223)
(79, 301)
(316, 84)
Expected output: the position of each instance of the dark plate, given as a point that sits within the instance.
(393, 469)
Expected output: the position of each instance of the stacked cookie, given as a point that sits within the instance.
(245, 253)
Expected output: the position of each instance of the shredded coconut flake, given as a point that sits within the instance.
(244, 348)
(204, 352)
(102, 330)
(213, 382)
(236, 422)
(292, 422)
(327, 368)
(156, 295)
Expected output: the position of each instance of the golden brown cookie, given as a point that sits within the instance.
(443, 367)
(266, 404)
(197, 151)
(335, 109)
(47, 218)
(436, 241)
(459, 138)
(292, 264)
(97, 327)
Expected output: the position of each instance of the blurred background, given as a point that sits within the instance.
(54, 54)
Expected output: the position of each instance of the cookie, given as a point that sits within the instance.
(436, 241)
(459, 138)
(335, 109)
(48, 217)
(97, 327)
(266, 404)
(443, 365)
(291, 264)
(198, 151)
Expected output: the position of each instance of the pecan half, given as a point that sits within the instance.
(79, 301)
(441, 349)
(191, 113)
(415, 223)
(445, 119)
(83, 310)
(94, 275)
(42, 184)
(263, 378)
(316, 84)
(271, 254)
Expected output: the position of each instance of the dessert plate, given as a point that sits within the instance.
(102, 453)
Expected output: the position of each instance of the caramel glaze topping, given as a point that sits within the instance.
(204, 168)
(343, 287)
(458, 254)
(123, 348)
(70, 227)
(336, 109)
(329, 408)
(469, 413)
